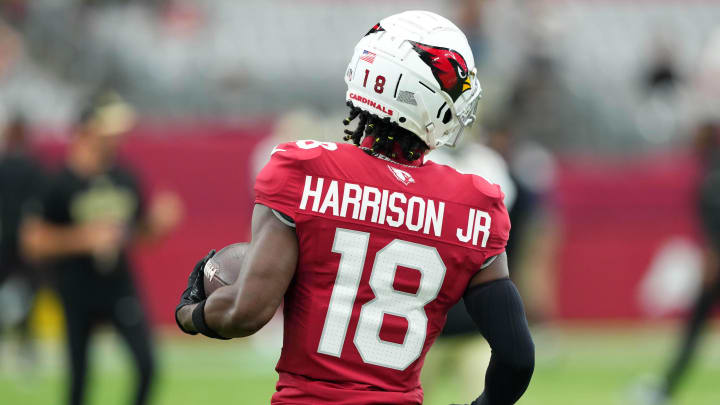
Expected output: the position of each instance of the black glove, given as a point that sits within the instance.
(195, 291)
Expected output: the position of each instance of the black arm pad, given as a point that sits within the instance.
(497, 309)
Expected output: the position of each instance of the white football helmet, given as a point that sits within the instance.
(417, 69)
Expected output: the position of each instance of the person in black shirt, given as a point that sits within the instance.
(21, 181)
(708, 142)
(92, 212)
(708, 147)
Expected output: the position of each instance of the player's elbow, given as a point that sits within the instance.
(517, 358)
(522, 359)
(517, 352)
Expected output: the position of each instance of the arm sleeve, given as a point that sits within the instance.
(497, 310)
(278, 185)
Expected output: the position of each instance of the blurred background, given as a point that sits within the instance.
(602, 116)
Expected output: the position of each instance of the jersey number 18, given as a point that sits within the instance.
(353, 245)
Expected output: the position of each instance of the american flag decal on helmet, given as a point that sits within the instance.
(368, 56)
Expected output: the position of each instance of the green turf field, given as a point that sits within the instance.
(575, 366)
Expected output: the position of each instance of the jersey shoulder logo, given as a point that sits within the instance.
(402, 176)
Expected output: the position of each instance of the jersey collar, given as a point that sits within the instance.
(366, 145)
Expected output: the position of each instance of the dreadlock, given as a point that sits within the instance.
(386, 134)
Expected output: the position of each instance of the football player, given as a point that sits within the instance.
(369, 245)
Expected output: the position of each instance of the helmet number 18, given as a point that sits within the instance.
(379, 82)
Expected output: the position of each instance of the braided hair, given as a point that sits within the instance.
(386, 134)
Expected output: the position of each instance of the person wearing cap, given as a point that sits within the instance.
(92, 212)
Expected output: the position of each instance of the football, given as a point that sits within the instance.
(223, 268)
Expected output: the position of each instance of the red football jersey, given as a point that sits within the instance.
(385, 250)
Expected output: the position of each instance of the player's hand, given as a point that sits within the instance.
(195, 291)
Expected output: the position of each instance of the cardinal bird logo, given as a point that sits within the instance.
(448, 67)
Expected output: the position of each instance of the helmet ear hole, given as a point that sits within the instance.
(447, 117)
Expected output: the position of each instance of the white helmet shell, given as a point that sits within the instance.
(416, 68)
